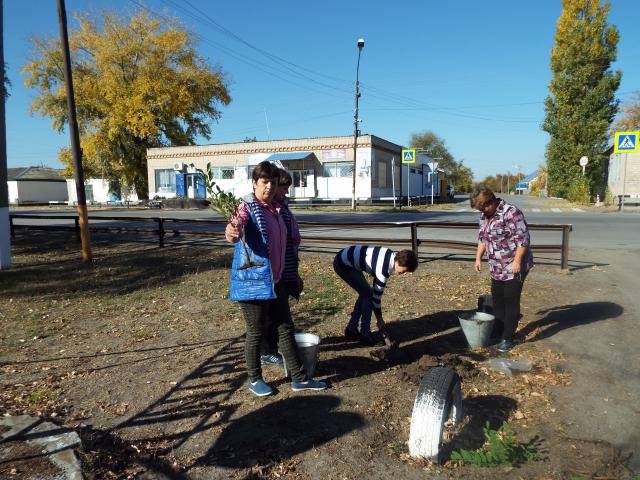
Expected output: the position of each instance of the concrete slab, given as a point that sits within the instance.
(40, 439)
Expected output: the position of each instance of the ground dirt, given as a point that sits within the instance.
(142, 354)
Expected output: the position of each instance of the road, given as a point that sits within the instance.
(592, 228)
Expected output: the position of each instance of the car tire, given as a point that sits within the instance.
(439, 399)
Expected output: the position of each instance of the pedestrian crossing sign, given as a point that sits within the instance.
(408, 155)
(626, 142)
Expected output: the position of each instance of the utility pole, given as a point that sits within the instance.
(75, 137)
(5, 235)
(356, 120)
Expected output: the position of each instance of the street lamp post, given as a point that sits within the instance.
(355, 127)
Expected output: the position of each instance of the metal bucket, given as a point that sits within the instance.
(477, 327)
(308, 350)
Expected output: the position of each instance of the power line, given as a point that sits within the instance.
(257, 64)
(368, 91)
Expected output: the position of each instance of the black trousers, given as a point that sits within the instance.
(256, 314)
(269, 344)
(506, 303)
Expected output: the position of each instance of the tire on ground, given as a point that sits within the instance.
(439, 399)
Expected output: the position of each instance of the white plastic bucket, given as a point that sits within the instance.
(308, 349)
(477, 327)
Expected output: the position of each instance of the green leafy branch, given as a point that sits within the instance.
(500, 448)
(226, 204)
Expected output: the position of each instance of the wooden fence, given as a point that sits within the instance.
(312, 232)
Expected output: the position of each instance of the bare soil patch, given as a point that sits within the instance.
(142, 354)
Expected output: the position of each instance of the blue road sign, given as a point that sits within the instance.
(409, 155)
(626, 142)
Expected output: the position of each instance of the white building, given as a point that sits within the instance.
(426, 177)
(523, 187)
(321, 167)
(96, 191)
(36, 185)
(623, 174)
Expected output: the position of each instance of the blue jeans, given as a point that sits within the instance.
(363, 307)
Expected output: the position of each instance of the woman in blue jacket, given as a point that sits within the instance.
(261, 288)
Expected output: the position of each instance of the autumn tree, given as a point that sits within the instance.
(629, 120)
(581, 104)
(138, 82)
(459, 175)
(503, 182)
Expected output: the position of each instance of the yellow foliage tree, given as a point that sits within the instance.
(138, 82)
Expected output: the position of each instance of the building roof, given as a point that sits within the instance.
(273, 146)
(524, 183)
(279, 157)
(35, 174)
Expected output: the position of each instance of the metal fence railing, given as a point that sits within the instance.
(410, 234)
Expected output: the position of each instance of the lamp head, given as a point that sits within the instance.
(360, 42)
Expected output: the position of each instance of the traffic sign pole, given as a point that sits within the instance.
(625, 142)
(624, 181)
(393, 180)
(408, 157)
(408, 185)
(583, 163)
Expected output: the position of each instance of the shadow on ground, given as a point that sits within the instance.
(55, 266)
(301, 423)
(194, 404)
(563, 317)
(423, 342)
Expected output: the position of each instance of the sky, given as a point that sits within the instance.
(474, 73)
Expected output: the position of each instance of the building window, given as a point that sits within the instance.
(165, 180)
(299, 178)
(338, 169)
(223, 173)
(384, 175)
(88, 193)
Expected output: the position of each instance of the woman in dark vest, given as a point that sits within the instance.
(291, 278)
(261, 289)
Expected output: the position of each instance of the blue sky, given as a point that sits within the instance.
(475, 73)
